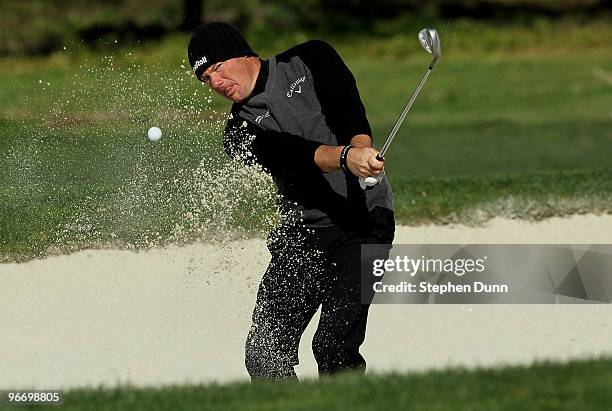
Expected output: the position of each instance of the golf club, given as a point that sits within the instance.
(430, 41)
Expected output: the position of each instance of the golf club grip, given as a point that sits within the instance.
(379, 157)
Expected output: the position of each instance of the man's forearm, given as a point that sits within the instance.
(327, 158)
(361, 140)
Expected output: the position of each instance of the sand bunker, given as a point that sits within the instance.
(181, 314)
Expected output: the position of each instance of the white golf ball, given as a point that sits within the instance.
(154, 133)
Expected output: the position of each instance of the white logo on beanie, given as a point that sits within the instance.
(198, 63)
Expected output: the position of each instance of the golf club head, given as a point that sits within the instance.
(430, 41)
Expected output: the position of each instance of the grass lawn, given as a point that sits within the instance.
(577, 385)
(522, 130)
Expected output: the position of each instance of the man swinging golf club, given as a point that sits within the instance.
(299, 116)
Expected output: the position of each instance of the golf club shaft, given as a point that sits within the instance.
(400, 120)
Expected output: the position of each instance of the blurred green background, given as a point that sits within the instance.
(40, 26)
(515, 121)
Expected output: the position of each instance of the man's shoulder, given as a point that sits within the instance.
(306, 51)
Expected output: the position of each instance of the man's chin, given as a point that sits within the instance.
(237, 98)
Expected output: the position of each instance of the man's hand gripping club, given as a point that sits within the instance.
(365, 164)
(361, 161)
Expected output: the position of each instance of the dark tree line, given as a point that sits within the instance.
(324, 13)
(193, 13)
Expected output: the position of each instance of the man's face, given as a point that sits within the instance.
(230, 78)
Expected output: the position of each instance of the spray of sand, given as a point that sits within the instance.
(89, 152)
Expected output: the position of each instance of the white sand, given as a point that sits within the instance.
(182, 313)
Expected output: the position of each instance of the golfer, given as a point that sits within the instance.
(298, 115)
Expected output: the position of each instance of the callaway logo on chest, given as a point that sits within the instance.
(296, 87)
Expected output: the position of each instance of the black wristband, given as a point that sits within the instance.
(343, 157)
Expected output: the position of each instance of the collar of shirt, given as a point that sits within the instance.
(262, 78)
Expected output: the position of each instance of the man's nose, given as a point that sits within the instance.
(215, 80)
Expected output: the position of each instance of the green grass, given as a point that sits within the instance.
(575, 385)
(521, 130)
(493, 115)
(474, 200)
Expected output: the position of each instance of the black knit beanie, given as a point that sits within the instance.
(215, 42)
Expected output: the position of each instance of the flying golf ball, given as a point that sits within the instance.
(154, 133)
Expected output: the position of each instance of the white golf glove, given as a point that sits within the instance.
(367, 182)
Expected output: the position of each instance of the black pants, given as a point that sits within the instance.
(311, 268)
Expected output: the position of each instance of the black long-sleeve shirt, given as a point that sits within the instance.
(305, 97)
